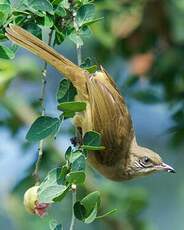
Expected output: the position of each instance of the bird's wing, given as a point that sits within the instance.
(73, 72)
(111, 118)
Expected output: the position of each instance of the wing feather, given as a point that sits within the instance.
(111, 118)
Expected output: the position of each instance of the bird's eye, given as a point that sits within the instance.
(145, 161)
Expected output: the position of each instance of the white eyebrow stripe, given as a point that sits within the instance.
(137, 164)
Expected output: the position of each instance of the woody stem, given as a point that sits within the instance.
(79, 61)
(42, 101)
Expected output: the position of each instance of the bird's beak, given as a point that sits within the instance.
(167, 168)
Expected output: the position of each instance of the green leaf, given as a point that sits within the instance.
(65, 4)
(6, 53)
(107, 214)
(5, 11)
(5, 2)
(91, 69)
(91, 202)
(75, 106)
(5, 8)
(86, 62)
(93, 148)
(60, 11)
(79, 211)
(92, 138)
(2, 35)
(92, 215)
(61, 3)
(77, 177)
(48, 22)
(92, 141)
(84, 31)
(20, 19)
(68, 153)
(21, 6)
(59, 37)
(66, 91)
(90, 22)
(52, 187)
(86, 209)
(68, 114)
(55, 2)
(34, 29)
(74, 37)
(88, 66)
(74, 156)
(17, 12)
(45, 21)
(42, 128)
(43, 5)
(53, 225)
(61, 195)
(85, 14)
(79, 164)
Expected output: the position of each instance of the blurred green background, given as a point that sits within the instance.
(141, 44)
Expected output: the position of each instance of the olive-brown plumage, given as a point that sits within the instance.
(106, 113)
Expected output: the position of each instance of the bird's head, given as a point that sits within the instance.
(144, 161)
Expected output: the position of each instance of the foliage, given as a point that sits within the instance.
(42, 128)
(56, 15)
(128, 28)
(60, 17)
(134, 30)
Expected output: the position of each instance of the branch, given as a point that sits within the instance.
(79, 61)
(74, 189)
(42, 100)
(78, 47)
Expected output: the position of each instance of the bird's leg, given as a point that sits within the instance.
(77, 140)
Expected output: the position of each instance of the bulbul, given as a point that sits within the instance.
(106, 113)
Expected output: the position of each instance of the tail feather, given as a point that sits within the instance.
(41, 49)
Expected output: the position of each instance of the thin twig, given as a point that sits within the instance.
(74, 193)
(79, 61)
(79, 54)
(42, 100)
(78, 47)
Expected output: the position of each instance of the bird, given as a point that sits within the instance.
(106, 112)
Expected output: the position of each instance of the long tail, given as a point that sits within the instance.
(73, 72)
